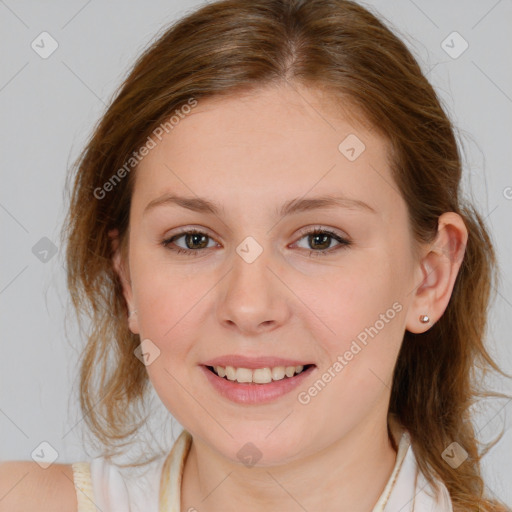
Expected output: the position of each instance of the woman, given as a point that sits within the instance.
(268, 228)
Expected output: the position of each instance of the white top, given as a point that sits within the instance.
(104, 487)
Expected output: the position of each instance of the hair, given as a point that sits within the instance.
(235, 46)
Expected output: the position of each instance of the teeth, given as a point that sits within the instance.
(230, 373)
(278, 373)
(259, 375)
(262, 376)
(243, 375)
(289, 371)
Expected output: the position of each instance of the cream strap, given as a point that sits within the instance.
(83, 486)
(172, 473)
(403, 446)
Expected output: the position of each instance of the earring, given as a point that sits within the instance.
(132, 313)
(424, 319)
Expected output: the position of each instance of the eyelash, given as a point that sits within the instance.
(316, 231)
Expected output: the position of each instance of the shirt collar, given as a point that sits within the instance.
(407, 490)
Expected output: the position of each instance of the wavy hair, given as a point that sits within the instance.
(233, 46)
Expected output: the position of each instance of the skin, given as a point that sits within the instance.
(251, 153)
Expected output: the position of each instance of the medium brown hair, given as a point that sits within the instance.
(240, 45)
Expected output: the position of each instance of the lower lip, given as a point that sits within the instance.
(252, 393)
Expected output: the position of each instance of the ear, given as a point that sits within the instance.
(437, 271)
(121, 268)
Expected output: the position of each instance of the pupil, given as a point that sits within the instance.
(320, 235)
(194, 237)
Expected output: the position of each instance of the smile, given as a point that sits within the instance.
(255, 386)
(257, 375)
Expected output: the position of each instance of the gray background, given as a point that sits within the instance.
(48, 107)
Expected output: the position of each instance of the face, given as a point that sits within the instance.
(266, 289)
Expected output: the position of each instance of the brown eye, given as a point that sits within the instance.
(191, 239)
(195, 241)
(320, 240)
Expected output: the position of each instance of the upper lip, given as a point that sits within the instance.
(252, 363)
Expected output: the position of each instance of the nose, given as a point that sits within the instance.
(253, 298)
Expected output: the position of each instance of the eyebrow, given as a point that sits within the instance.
(297, 205)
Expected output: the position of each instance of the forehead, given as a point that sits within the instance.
(278, 142)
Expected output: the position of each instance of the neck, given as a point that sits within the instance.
(350, 475)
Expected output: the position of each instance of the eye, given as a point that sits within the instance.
(196, 241)
(193, 237)
(321, 238)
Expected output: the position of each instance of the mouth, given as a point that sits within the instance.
(257, 385)
(258, 375)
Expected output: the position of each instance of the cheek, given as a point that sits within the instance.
(166, 295)
(167, 316)
(362, 341)
(355, 299)
(365, 314)
(168, 305)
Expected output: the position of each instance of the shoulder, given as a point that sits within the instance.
(26, 486)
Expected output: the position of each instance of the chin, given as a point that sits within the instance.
(258, 447)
